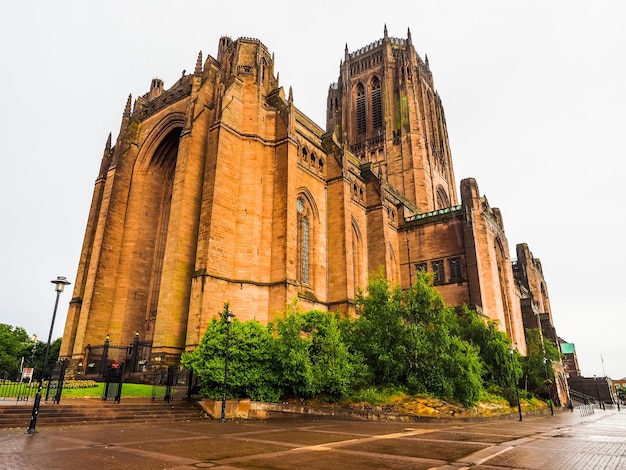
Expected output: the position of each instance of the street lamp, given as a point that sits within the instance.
(59, 284)
(519, 405)
(135, 352)
(548, 382)
(228, 318)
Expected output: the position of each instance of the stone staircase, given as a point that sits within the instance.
(93, 411)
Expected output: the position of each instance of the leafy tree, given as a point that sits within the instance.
(494, 347)
(250, 367)
(336, 371)
(535, 371)
(443, 363)
(14, 344)
(411, 339)
(312, 356)
(465, 370)
(37, 355)
(379, 334)
(291, 350)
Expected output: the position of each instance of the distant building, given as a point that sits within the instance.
(619, 387)
(570, 360)
(597, 390)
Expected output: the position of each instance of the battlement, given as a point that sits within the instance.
(376, 44)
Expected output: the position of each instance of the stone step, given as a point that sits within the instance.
(85, 411)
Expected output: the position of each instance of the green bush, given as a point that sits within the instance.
(399, 339)
(251, 371)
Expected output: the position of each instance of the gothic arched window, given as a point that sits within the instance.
(305, 250)
(303, 242)
(377, 109)
(357, 256)
(442, 199)
(360, 109)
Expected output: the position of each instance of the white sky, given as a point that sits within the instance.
(534, 95)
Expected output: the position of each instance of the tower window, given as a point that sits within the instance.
(377, 112)
(360, 109)
(420, 267)
(442, 199)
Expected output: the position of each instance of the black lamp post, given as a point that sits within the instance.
(548, 382)
(519, 405)
(105, 356)
(59, 284)
(228, 317)
(135, 352)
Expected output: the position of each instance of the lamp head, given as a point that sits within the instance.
(60, 282)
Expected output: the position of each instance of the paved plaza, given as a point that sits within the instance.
(566, 440)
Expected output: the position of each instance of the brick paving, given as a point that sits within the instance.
(563, 441)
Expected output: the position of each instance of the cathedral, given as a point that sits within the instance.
(219, 189)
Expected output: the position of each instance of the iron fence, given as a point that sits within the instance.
(100, 357)
(19, 391)
(173, 383)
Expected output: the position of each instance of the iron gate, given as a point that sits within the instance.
(113, 385)
(55, 382)
(134, 356)
(173, 383)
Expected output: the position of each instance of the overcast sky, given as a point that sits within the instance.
(534, 94)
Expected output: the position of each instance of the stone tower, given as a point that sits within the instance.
(387, 111)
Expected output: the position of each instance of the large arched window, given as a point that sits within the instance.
(307, 253)
(303, 242)
(357, 256)
(360, 109)
(377, 110)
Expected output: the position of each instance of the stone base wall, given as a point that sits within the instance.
(234, 408)
(247, 409)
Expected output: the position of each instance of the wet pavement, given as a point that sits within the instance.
(566, 440)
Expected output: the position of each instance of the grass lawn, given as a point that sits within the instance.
(128, 390)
